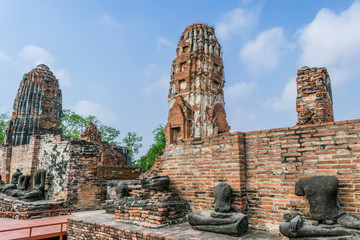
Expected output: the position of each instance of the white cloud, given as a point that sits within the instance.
(110, 21)
(37, 54)
(237, 21)
(287, 101)
(161, 41)
(238, 118)
(264, 52)
(157, 77)
(86, 108)
(240, 90)
(63, 76)
(5, 58)
(161, 84)
(332, 40)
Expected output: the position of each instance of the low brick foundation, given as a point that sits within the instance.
(81, 230)
(11, 204)
(150, 208)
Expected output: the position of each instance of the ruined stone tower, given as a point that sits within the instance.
(196, 98)
(314, 102)
(37, 107)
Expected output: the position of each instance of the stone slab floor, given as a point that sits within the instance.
(181, 231)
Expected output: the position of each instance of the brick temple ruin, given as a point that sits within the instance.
(77, 171)
(261, 166)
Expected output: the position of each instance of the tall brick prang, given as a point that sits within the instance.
(196, 98)
(37, 107)
(314, 102)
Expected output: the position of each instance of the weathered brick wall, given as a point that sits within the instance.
(7, 205)
(21, 157)
(264, 183)
(277, 158)
(196, 166)
(20, 160)
(81, 185)
(82, 230)
(117, 172)
(54, 155)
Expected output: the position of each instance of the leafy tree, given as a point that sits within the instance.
(74, 124)
(133, 143)
(4, 118)
(155, 150)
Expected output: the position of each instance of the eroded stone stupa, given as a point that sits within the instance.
(37, 107)
(196, 98)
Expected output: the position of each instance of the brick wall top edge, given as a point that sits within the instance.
(219, 136)
(191, 140)
(119, 167)
(304, 126)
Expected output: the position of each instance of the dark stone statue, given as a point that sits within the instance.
(222, 193)
(327, 217)
(159, 183)
(220, 220)
(121, 190)
(322, 193)
(37, 193)
(22, 185)
(13, 183)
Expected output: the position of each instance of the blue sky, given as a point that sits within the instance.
(113, 58)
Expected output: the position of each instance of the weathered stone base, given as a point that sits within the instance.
(11, 204)
(321, 232)
(233, 224)
(159, 210)
(352, 237)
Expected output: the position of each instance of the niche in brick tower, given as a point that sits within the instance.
(196, 97)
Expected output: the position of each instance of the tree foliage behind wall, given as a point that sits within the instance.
(4, 118)
(133, 143)
(74, 124)
(155, 150)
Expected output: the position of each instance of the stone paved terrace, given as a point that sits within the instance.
(95, 222)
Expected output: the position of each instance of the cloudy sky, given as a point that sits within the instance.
(113, 58)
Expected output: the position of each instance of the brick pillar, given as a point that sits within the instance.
(5, 159)
(33, 154)
(314, 102)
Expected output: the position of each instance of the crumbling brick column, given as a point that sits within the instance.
(314, 102)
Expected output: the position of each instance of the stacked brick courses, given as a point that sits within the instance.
(196, 166)
(82, 230)
(150, 208)
(263, 166)
(277, 158)
(7, 205)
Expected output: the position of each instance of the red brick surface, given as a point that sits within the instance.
(263, 166)
(314, 102)
(196, 166)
